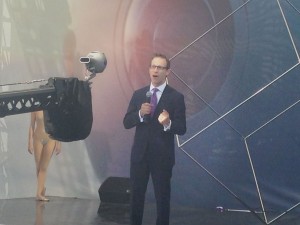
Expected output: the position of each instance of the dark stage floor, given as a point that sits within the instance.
(74, 211)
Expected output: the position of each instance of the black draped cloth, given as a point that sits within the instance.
(71, 117)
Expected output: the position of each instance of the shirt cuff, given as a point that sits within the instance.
(141, 118)
(168, 127)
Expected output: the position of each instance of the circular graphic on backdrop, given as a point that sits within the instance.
(200, 51)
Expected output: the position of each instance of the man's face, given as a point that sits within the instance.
(158, 71)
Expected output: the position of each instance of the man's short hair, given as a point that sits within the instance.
(160, 55)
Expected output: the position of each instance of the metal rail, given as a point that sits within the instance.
(24, 101)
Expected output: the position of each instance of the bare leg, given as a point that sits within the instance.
(43, 157)
(38, 148)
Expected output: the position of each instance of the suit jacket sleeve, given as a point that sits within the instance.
(132, 118)
(173, 102)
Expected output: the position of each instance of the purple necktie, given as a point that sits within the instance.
(153, 101)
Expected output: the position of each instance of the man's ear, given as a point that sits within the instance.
(168, 72)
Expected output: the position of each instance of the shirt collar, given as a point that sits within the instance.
(161, 88)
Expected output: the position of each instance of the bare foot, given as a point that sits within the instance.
(42, 198)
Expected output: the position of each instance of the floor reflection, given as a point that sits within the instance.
(70, 211)
(39, 210)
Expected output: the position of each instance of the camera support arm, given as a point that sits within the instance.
(24, 101)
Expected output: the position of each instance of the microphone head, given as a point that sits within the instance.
(148, 94)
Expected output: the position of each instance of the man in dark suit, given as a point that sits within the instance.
(153, 147)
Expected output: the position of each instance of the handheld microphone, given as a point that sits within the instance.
(146, 118)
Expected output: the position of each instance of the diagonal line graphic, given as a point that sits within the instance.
(253, 170)
(288, 30)
(222, 117)
(209, 30)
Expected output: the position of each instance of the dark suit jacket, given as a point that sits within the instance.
(152, 135)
